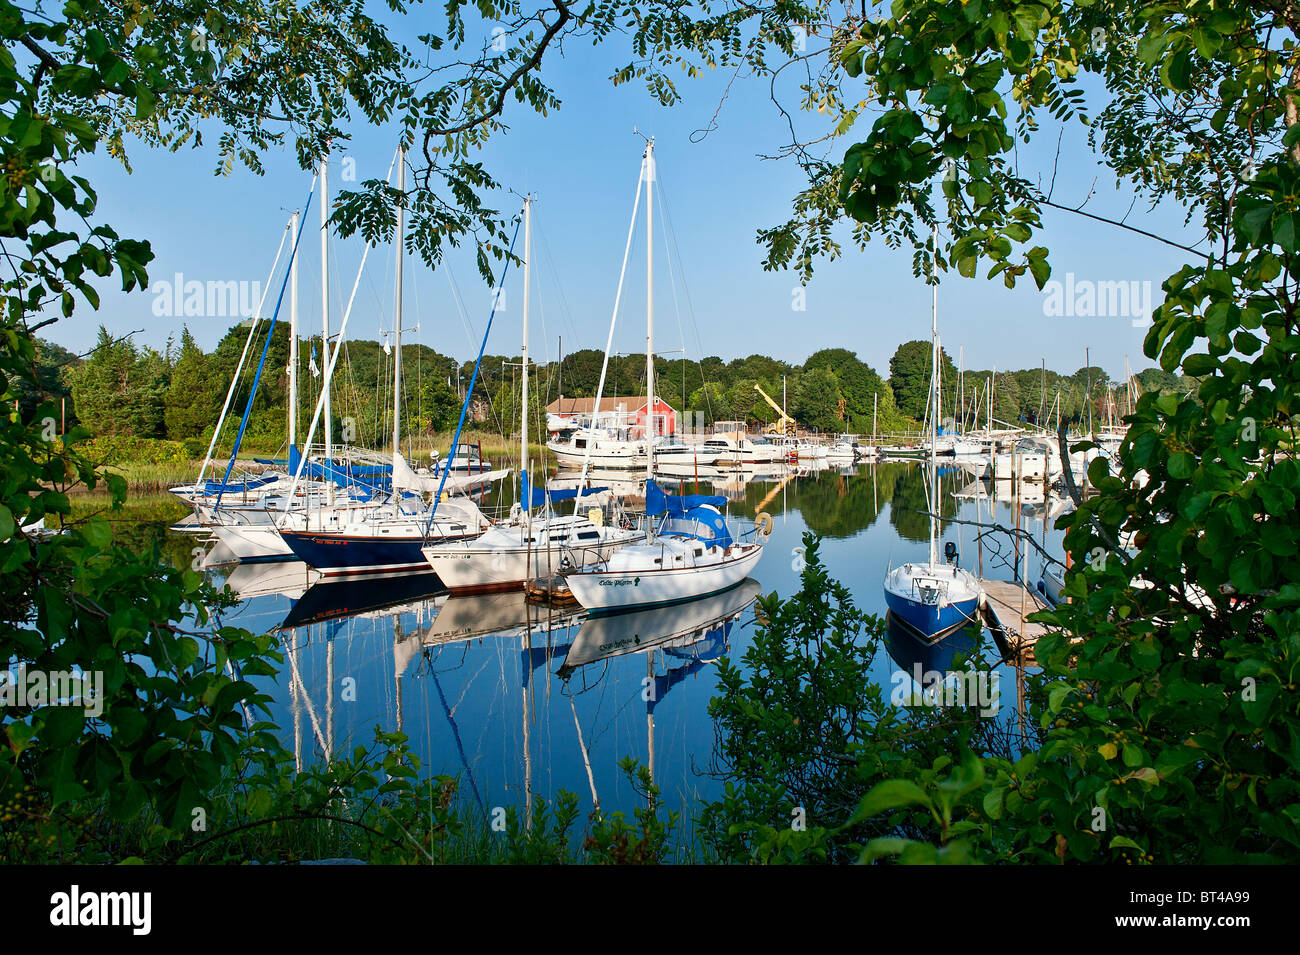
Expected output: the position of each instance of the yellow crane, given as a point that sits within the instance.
(785, 424)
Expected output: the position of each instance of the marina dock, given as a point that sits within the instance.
(1006, 605)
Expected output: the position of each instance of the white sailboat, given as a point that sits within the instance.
(510, 554)
(690, 552)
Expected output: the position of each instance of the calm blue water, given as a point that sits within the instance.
(514, 699)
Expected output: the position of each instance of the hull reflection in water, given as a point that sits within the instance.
(336, 598)
(464, 617)
(906, 649)
(289, 578)
(693, 630)
(685, 638)
(515, 699)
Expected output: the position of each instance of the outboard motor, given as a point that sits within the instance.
(950, 552)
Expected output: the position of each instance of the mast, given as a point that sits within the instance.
(1087, 369)
(397, 329)
(934, 402)
(523, 414)
(293, 342)
(1042, 400)
(649, 307)
(325, 292)
(961, 378)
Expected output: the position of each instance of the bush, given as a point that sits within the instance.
(116, 451)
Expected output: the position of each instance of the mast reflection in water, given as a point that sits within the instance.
(517, 699)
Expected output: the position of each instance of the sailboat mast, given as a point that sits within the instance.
(934, 405)
(293, 342)
(649, 307)
(325, 292)
(523, 414)
(397, 321)
(1087, 368)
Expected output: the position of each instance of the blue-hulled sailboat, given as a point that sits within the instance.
(934, 597)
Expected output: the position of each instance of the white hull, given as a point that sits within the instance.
(1020, 467)
(500, 559)
(620, 458)
(646, 586)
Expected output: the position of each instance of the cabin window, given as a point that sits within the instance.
(588, 536)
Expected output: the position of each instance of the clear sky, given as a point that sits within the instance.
(582, 162)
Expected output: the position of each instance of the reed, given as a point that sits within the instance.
(500, 449)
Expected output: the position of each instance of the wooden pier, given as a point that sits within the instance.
(1006, 605)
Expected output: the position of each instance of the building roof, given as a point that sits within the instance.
(629, 404)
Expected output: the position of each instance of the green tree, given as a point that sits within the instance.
(859, 382)
(909, 376)
(817, 400)
(194, 395)
(119, 390)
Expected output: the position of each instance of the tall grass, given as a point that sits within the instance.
(500, 450)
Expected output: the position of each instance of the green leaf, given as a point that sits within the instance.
(1181, 465)
(890, 794)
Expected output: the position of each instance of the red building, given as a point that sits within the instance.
(626, 412)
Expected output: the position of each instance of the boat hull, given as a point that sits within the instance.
(614, 591)
(337, 555)
(932, 601)
(251, 543)
(931, 620)
(468, 569)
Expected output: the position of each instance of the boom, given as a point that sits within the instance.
(785, 424)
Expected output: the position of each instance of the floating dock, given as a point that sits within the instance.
(554, 592)
(1006, 605)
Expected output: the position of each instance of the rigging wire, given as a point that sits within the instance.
(690, 304)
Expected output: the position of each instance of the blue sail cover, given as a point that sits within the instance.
(238, 487)
(690, 515)
(657, 501)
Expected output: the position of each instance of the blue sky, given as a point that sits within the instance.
(582, 162)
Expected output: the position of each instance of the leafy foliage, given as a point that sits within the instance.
(1166, 705)
(804, 730)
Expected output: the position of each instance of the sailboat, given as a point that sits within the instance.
(935, 597)
(524, 548)
(384, 535)
(690, 552)
(614, 446)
